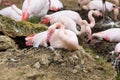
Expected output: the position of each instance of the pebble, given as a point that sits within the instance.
(74, 71)
(36, 65)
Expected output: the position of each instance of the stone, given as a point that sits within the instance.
(14, 29)
(37, 65)
(6, 43)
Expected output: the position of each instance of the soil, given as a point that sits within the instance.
(27, 63)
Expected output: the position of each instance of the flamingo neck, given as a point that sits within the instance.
(26, 14)
(83, 25)
(49, 2)
(91, 18)
(48, 38)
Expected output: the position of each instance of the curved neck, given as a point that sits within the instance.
(52, 30)
(91, 18)
(49, 2)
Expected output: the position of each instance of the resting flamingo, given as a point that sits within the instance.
(12, 12)
(69, 13)
(66, 21)
(58, 38)
(70, 18)
(111, 35)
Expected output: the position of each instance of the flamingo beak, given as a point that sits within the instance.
(28, 44)
(25, 16)
(96, 40)
(45, 21)
(29, 40)
(100, 15)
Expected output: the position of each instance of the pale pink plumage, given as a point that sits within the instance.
(35, 8)
(55, 5)
(117, 48)
(111, 35)
(60, 38)
(66, 21)
(12, 12)
(69, 13)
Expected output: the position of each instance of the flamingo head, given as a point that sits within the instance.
(97, 13)
(51, 29)
(29, 39)
(54, 8)
(97, 38)
(25, 15)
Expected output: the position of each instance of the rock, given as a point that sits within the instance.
(16, 29)
(44, 60)
(84, 70)
(67, 4)
(74, 71)
(6, 43)
(97, 57)
(82, 62)
(37, 65)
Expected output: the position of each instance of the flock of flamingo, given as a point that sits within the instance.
(63, 31)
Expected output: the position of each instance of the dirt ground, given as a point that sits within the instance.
(27, 63)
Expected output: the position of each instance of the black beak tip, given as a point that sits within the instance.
(78, 4)
(88, 41)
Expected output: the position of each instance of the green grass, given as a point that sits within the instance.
(118, 76)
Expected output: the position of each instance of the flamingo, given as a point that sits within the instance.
(116, 2)
(66, 21)
(55, 5)
(117, 48)
(83, 3)
(91, 18)
(69, 13)
(35, 8)
(67, 17)
(111, 35)
(58, 38)
(99, 5)
(116, 9)
(12, 12)
(73, 15)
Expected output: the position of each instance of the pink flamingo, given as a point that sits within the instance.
(12, 12)
(58, 38)
(116, 2)
(55, 5)
(91, 18)
(98, 4)
(35, 8)
(117, 48)
(83, 3)
(111, 35)
(69, 13)
(72, 18)
(66, 21)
